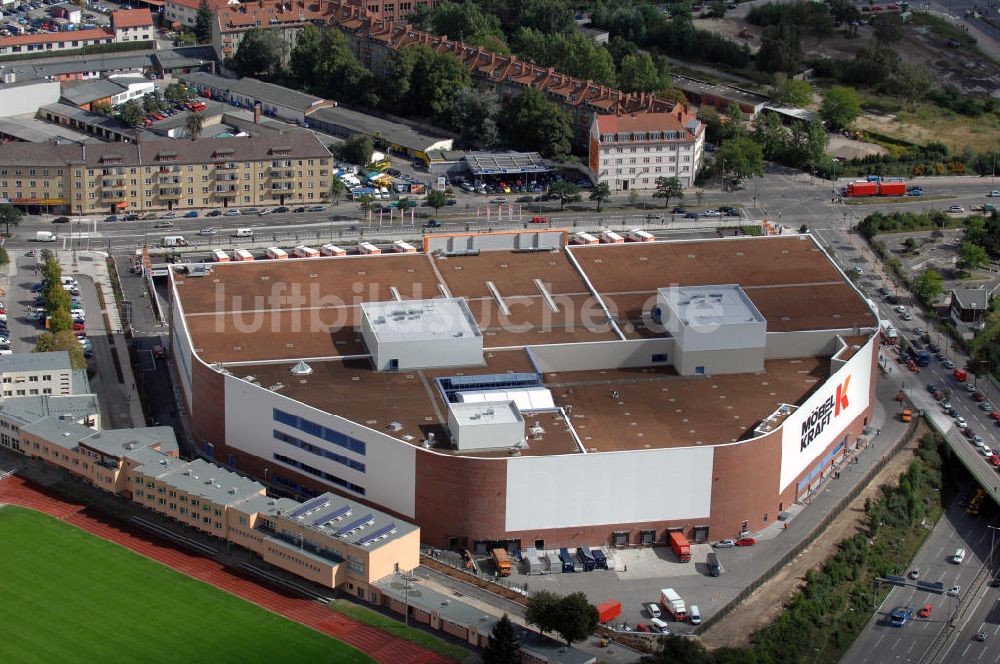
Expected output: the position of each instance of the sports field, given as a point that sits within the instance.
(68, 596)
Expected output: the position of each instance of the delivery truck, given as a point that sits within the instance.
(173, 241)
(401, 247)
(584, 238)
(46, 236)
(303, 251)
(682, 548)
(608, 611)
(368, 248)
(219, 256)
(637, 235)
(276, 253)
(242, 255)
(673, 604)
(610, 237)
(332, 250)
(501, 561)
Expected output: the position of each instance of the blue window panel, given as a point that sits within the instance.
(320, 431)
(333, 479)
(318, 451)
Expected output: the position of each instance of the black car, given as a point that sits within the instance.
(690, 215)
(299, 210)
(131, 217)
(279, 210)
(524, 199)
(726, 208)
(433, 223)
(214, 213)
(934, 348)
(732, 213)
(678, 210)
(61, 220)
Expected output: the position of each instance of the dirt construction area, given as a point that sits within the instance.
(764, 605)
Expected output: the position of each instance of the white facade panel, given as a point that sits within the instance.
(389, 478)
(181, 347)
(614, 487)
(808, 431)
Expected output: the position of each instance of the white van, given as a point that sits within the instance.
(694, 614)
(958, 557)
(660, 625)
(653, 609)
(243, 232)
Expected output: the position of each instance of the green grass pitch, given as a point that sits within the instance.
(67, 596)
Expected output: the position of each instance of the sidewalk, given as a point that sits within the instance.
(121, 397)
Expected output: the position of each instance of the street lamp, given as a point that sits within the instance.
(406, 591)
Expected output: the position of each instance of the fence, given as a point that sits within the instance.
(809, 538)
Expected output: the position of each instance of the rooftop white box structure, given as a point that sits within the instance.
(416, 334)
(477, 426)
(716, 329)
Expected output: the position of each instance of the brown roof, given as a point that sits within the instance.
(613, 124)
(131, 18)
(150, 153)
(51, 37)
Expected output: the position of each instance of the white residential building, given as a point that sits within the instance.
(632, 151)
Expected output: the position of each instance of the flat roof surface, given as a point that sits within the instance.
(51, 361)
(268, 314)
(490, 412)
(420, 320)
(723, 304)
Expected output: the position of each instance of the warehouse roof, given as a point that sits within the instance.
(31, 409)
(52, 361)
(421, 320)
(257, 90)
(390, 130)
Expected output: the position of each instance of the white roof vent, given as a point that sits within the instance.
(302, 369)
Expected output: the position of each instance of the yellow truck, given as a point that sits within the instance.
(502, 562)
(906, 415)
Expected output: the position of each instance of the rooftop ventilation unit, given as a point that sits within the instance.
(301, 369)
(394, 426)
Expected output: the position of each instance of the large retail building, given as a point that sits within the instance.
(510, 388)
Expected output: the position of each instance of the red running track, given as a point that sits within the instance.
(380, 645)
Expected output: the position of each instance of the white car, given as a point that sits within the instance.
(954, 590)
(653, 609)
(725, 544)
(264, 212)
(35, 315)
(232, 213)
(949, 365)
(956, 208)
(969, 387)
(986, 452)
(711, 213)
(207, 231)
(960, 422)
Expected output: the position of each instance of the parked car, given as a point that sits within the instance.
(711, 213)
(725, 544)
(207, 231)
(163, 224)
(214, 213)
(232, 213)
(746, 541)
(315, 208)
(61, 220)
(956, 208)
(192, 214)
(539, 220)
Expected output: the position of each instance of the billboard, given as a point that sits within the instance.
(808, 431)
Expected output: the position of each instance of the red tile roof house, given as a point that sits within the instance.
(132, 25)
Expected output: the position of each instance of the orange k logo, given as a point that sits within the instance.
(842, 397)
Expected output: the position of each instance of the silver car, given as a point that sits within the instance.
(725, 544)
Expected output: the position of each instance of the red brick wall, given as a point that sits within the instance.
(460, 497)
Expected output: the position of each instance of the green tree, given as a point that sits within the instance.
(533, 123)
(194, 123)
(542, 611)
(366, 203)
(600, 193)
(841, 107)
(572, 53)
(566, 192)
(4, 256)
(909, 80)
(56, 299)
(437, 199)
(791, 91)
(713, 124)
(9, 216)
(888, 28)
(130, 113)
(176, 92)
(929, 287)
(639, 73)
(740, 158)
(404, 204)
(473, 114)
(339, 74)
(60, 321)
(678, 649)
(63, 340)
(676, 96)
(668, 189)
(152, 102)
(337, 190)
(503, 646)
(421, 79)
(910, 244)
(305, 56)
(780, 49)
(464, 21)
(577, 618)
(357, 149)
(102, 108)
(260, 54)
(203, 23)
(972, 257)
(716, 9)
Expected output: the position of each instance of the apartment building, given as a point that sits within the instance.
(632, 151)
(19, 412)
(166, 174)
(183, 13)
(284, 18)
(132, 25)
(36, 374)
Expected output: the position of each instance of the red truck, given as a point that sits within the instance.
(681, 546)
(892, 189)
(855, 189)
(608, 611)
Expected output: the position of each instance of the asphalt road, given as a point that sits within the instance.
(787, 198)
(881, 642)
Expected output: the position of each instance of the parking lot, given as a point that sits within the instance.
(36, 18)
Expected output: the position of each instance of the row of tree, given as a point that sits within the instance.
(59, 335)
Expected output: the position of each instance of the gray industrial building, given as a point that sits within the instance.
(485, 425)
(20, 95)
(716, 329)
(415, 334)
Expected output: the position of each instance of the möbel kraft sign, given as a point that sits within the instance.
(809, 431)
